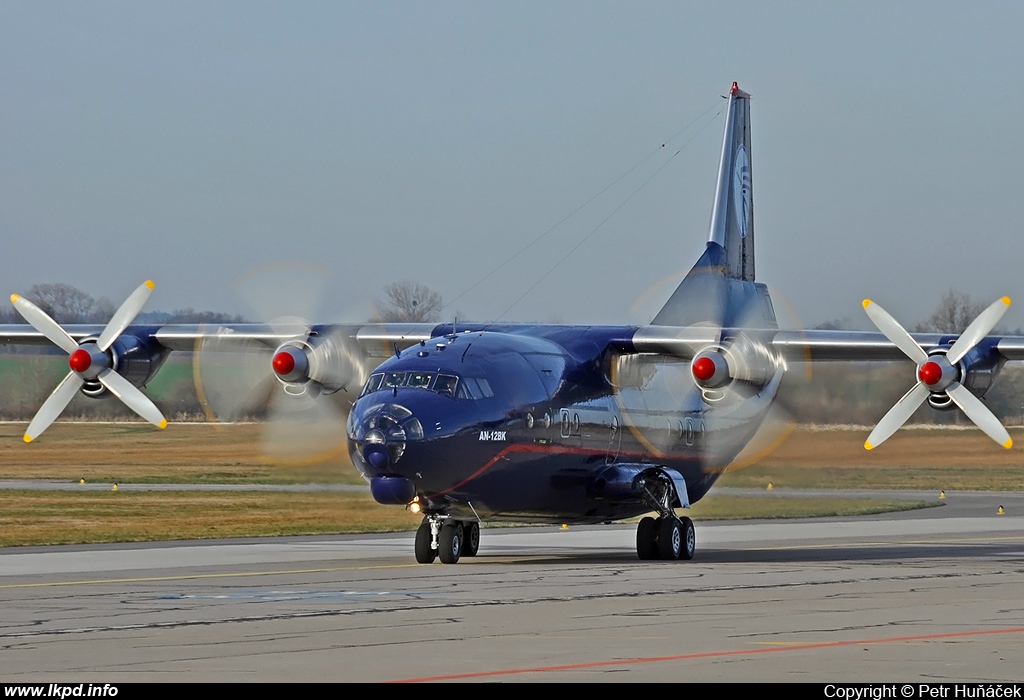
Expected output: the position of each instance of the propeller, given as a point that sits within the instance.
(695, 386)
(938, 373)
(288, 381)
(90, 361)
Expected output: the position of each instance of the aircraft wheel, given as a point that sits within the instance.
(425, 554)
(450, 542)
(647, 539)
(670, 539)
(470, 539)
(689, 540)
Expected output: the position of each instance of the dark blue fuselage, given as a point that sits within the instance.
(535, 423)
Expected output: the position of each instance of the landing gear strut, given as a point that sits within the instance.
(439, 536)
(669, 536)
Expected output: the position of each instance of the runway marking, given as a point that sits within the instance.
(710, 655)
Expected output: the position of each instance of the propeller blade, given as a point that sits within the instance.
(132, 397)
(892, 330)
(977, 330)
(304, 430)
(42, 322)
(233, 378)
(284, 294)
(53, 405)
(897, 415)
(123, 317)
(979, 413)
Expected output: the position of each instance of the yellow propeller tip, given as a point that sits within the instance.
(1008, 444)
(14, 298)
(868, 445)
(866, 303)
(1006, 300)
(149, 283)
(28, 438)
(163, 424)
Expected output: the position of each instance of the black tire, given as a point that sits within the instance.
(647, 539)
(450, 542)
(470, 539)
(689, 540)
(424, 553)
(670, 539)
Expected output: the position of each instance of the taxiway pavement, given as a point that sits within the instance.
(927, 595)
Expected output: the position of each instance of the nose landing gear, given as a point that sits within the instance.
(439, 536)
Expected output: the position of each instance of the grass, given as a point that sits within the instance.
(60, 517)
(923, 458)
(126, 453)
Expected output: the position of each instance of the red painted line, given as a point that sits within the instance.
(710, 655)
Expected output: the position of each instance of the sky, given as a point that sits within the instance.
(196, 143)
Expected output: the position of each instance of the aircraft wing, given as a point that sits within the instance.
(376, 339)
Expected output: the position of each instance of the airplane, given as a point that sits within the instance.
(547, 423)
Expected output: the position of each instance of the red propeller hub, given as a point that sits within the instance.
(284, 363)
(80, 360)
(930, 373)
(703, 368)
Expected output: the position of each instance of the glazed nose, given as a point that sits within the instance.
(386, 432)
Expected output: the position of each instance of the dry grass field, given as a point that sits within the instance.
(914, 458)
(126, 453)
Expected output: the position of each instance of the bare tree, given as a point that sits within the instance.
(408, 302)
(64, 303)
(954, 313)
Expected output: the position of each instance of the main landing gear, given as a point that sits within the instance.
(439, 536)
(669, 536)
(666, 538)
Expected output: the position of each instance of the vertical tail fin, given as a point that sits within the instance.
(732, 219)
(720, 288)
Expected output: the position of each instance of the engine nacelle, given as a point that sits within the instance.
(977, 372)
(320, 364)
(136, 359)
(739, 361)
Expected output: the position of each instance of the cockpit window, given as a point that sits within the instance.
(445, 384)
(473, 388)
(394, 379)
(372, 384)
(419, 380)
(476, 388)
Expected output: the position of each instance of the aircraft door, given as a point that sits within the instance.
(615, 441)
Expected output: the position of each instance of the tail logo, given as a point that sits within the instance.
(741, 190)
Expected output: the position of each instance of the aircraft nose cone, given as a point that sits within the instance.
(382, 433)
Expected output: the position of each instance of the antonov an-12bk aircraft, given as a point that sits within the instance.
(546, 423)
